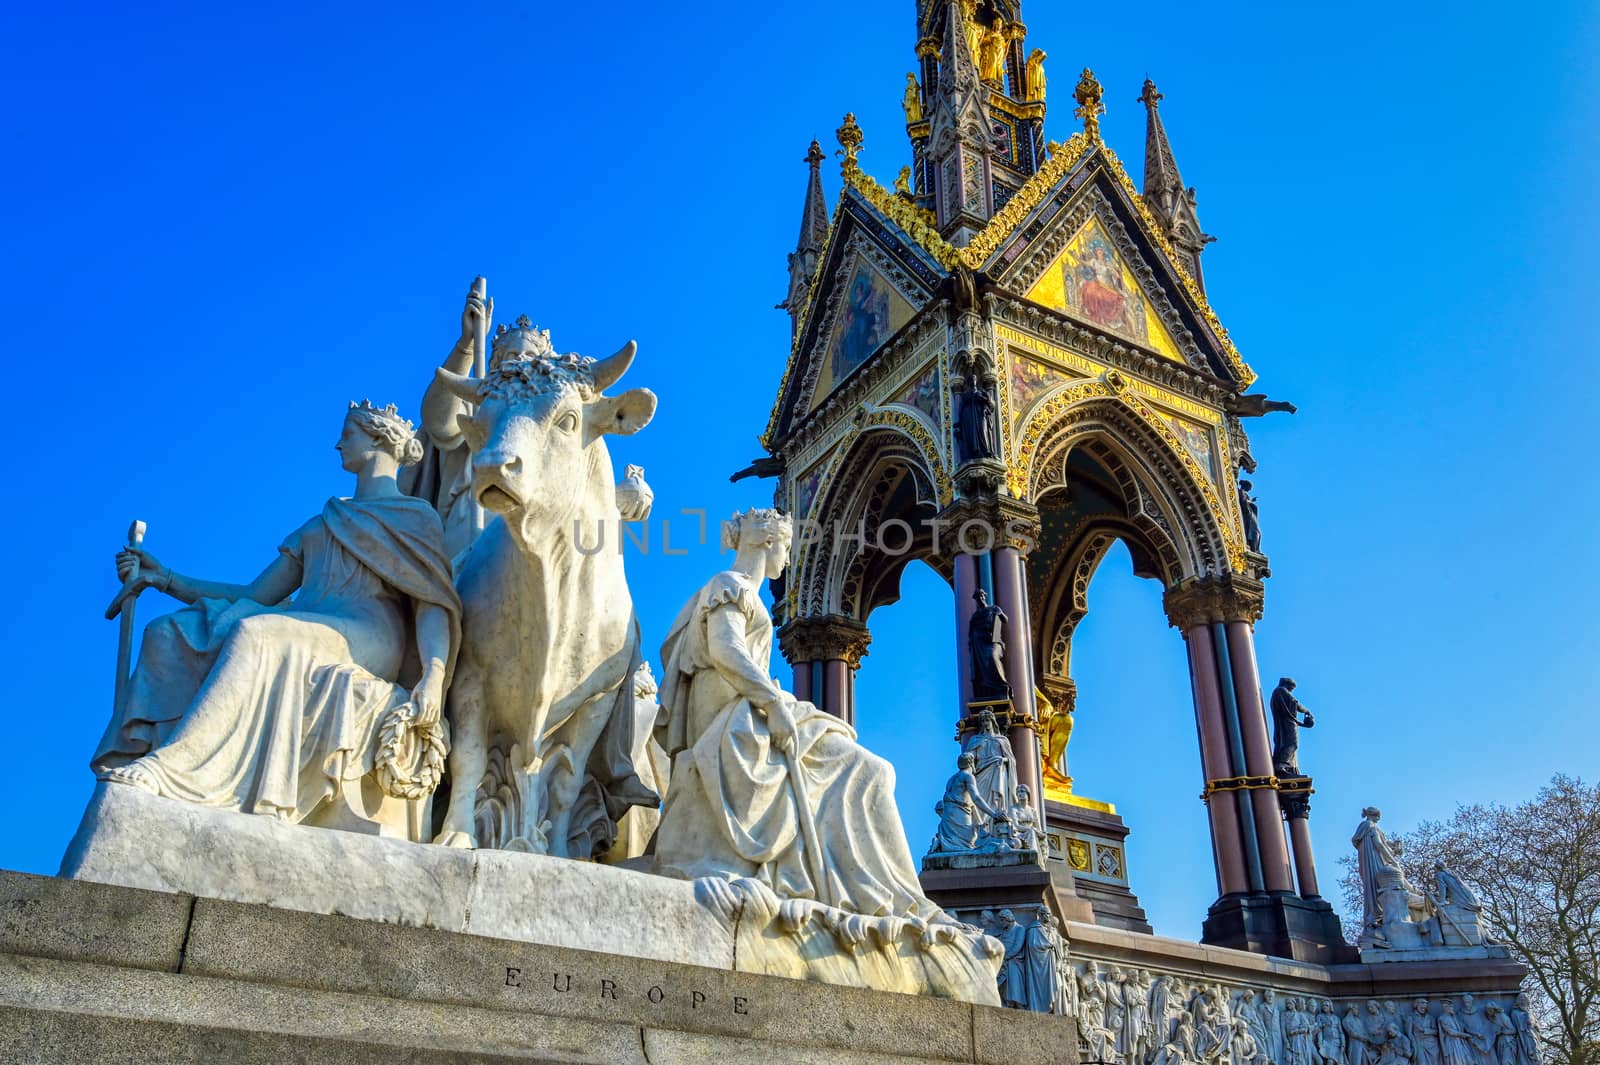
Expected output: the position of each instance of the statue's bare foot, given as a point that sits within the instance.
(452, 838)
(134, 775)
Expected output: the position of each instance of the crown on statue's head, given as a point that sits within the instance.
(387, 416)
(522, 340)
(767, 522)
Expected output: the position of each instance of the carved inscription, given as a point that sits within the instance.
(563, 983)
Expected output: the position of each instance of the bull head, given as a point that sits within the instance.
(538, 444)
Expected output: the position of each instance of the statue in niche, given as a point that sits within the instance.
(995, 767)
(992, 51)
(959, 811)
(1289, 716)
(977, 424)
(911, 102)
(1033, 76)
(252, 701)
(1459, 910)
(986, 645)
(765, 786)
(1250, 511)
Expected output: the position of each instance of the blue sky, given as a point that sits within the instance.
(222, 222)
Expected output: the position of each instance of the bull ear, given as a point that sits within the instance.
(609, 370)
(462, 387)
(624, 414)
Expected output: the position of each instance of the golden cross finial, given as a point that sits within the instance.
(850, 141)
(1088, 94)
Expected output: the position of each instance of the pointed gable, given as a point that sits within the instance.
(873, 279)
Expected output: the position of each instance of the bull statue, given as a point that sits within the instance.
(543, 719)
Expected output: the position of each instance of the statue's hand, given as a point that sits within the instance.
(151, 572)
(474, 313)
(428, 695)
(780, 722)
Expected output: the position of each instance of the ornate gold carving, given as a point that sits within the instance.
(1237, 784)
(850, 141)
(1033, 79)
(1210, 600)
(1090, 103)
(1078, 855)
(1044, 413)
(917, 223)
(902, 182)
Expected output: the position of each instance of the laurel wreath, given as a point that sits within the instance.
(411, 757)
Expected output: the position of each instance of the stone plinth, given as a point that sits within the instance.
(93, 973)
(134, 839)
(1088, 848)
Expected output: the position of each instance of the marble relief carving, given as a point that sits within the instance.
(1133, 1016)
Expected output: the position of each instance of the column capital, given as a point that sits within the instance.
(1205, 600)
(820, 639)
(990, 522)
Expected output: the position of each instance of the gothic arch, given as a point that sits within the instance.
(885, 474)
(1167, 496)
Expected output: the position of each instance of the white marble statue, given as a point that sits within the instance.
(1394, 915)
(650, 761)
(543, 742)
(996, 767)
(1459, 911)
(763, 785)
(254, 701)
(963, 814)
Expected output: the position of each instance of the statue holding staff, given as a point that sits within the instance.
(253, 701)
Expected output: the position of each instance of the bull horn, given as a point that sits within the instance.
(607, 371)
(461, 386)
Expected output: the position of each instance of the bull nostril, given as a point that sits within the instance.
(514, 466)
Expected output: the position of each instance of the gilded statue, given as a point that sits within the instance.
(1033, 76)
(1057, 725)
(992, 51)
(902, 182)
(912, 101)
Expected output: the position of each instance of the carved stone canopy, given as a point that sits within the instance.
(1205, 600)
(820, 639)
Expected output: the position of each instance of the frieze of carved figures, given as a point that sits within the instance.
(1132, 1016)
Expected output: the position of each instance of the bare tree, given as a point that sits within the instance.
(1536, 869)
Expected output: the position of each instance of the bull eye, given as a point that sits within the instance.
(568, 422)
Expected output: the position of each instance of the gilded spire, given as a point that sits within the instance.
(1090, 108)
(850, 141)
(807, 254)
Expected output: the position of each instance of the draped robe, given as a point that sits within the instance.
(266, 709)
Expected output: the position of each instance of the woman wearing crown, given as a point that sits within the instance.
(738, 742)
(251, 701)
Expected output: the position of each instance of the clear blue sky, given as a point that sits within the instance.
(223, 222)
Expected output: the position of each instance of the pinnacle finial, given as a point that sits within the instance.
(814, 155)
(1089, 95)
(850, 141)
(1151, 95)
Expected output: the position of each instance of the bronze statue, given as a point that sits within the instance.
(977, 424)
(1250, 511)
(1289, 716)
(986, 642)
